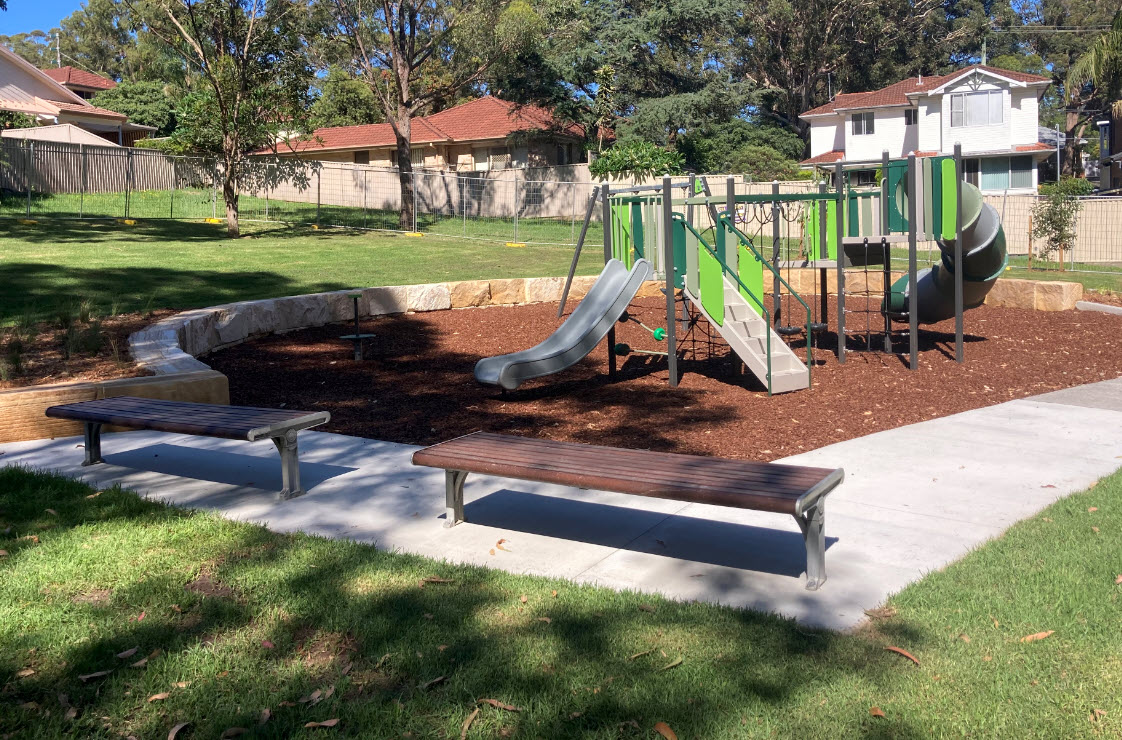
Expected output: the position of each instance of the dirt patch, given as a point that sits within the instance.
(417, 385)
(320, 650)
(1108, 297)
(73, 347)
(205, 584)
(97, 597)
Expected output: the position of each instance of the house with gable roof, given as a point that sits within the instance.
(480, 135)
(992, 112)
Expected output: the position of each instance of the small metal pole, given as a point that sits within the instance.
(576, 251)
(514, 183)
(668, 270)
(606, 194)
(822, 253)
(775, 236)
(174, 180)
(913, 292)
(884, 229)
(365, 187)
(214, 192)
(27, 173)
(81, 180)
(128, 180)
(731, 254)
(839, 219)
(266, 185)
(413, 176)
(691, 194)
(319, 179)
(958, 350)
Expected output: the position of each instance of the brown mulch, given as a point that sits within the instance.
(42, 358)
(417, 387)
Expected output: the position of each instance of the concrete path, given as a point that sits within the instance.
(915, 499)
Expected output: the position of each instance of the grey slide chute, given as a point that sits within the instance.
(582, 331)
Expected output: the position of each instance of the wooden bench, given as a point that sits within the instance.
(201, 419)
(786, 489)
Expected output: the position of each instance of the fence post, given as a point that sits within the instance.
(174, 182)
(515, 184)
(27, 173)
(128, 180)
(413, 175)
(319, 182)
(265, 184)
(81, 180)
(214, 192)
(365, 189)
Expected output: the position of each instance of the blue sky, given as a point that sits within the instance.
(28, 15)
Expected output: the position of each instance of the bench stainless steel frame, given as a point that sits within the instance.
(199, 419)
(808, 509)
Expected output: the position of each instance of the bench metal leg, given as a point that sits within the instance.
(813, 525)
(92, 435)
(290, 465)
(454, 496)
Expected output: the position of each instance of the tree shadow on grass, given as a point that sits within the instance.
(40, 289)
(281, 617)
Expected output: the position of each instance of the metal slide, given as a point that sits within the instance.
(582, 331)
(983, 260)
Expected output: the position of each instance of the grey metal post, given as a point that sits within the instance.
(668, 270)
(775, 236)
(887, 269)
(515, 183)
(464, 203)
(27, 173)
(81, 180)
(823, 255)
(174, 180)
(913, 293)
(692, 193)
(266, 185)
(413, 176)
(577, 250)
(839, 219)
(365, 190)
(606, 194)
(128, 180)
(91, 431)
(958, 353)
(731, 254)
(214, 192)
(319, 179)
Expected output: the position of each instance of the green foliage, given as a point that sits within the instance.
(12, 119)
(713, 148)
(35, 47)
(1054, 215)
(762, 163)
(345, 100)
(1100, 67)
(637, 159)
(146, 103)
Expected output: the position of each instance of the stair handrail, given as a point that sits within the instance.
(679, 218)
(723, 217)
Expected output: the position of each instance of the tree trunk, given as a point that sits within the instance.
(230, 187)
(402, 127)
(1071, 139)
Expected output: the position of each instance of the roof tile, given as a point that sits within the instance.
(80, 77)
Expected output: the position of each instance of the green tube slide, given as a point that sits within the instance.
(983, 260)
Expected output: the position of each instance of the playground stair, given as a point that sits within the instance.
(746, 332)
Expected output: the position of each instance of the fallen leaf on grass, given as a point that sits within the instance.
(265, 716)
(555, 594)
(433, 579)
(183, 684)
(52, 512)
(467, 723)
(1118, 579)
(434, 682)
(268, 645)
(639, 655)
(547, 620)
(1095, 530)
(883, 612)
(325, 723)
(3, 553)
(905, 653)
(72, 713)
(523, 598)
(159, 697)
(1096, 714)
(1037, 636)
(1092, 508)
(996, 623)
(233, 732)
(127, 653)
(144, 661)
(664, 729)
(91, 676)
(499, 705)
(574, 715)
(964, 637)
(31, 538)
(646, 608)
(876, 712)
(287, 704)
(26, 672)
(175, 730)
(312, 698)
(672, 664)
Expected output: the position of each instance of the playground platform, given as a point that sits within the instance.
(915, 498)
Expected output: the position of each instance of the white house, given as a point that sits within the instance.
(992, 112)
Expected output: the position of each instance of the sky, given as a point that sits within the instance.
(28, 15)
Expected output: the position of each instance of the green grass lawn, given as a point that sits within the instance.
(172, 616)
(178, 264)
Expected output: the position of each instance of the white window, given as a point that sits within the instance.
(417, 157)
(862, 124)
(977, 108)
(500, 157)
(911, 116)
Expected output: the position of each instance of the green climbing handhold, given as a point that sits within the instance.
(659, 334)
(622, 349)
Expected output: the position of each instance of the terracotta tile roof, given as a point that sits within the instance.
(825, 158)
(897, 93)
(80, 77)
(483, 118)
(87, 110)
(1039, 146)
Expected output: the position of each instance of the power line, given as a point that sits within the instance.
(1052, 29)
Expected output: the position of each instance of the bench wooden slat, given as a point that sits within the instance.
(763, 486)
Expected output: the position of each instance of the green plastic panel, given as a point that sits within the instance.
(751, 273)
(950, 198)
(897, 178)
(679, 266)
(621, 234)
(637, 232)
(810, 229)
(712, 285)
(831, 230)
(928, 201)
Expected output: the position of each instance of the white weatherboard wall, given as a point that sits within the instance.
(888, 128)
(826, 136)
(930, 125)
(976, 138)
(1024, 117)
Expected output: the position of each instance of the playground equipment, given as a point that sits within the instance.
(742, 261)
(592, 320)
